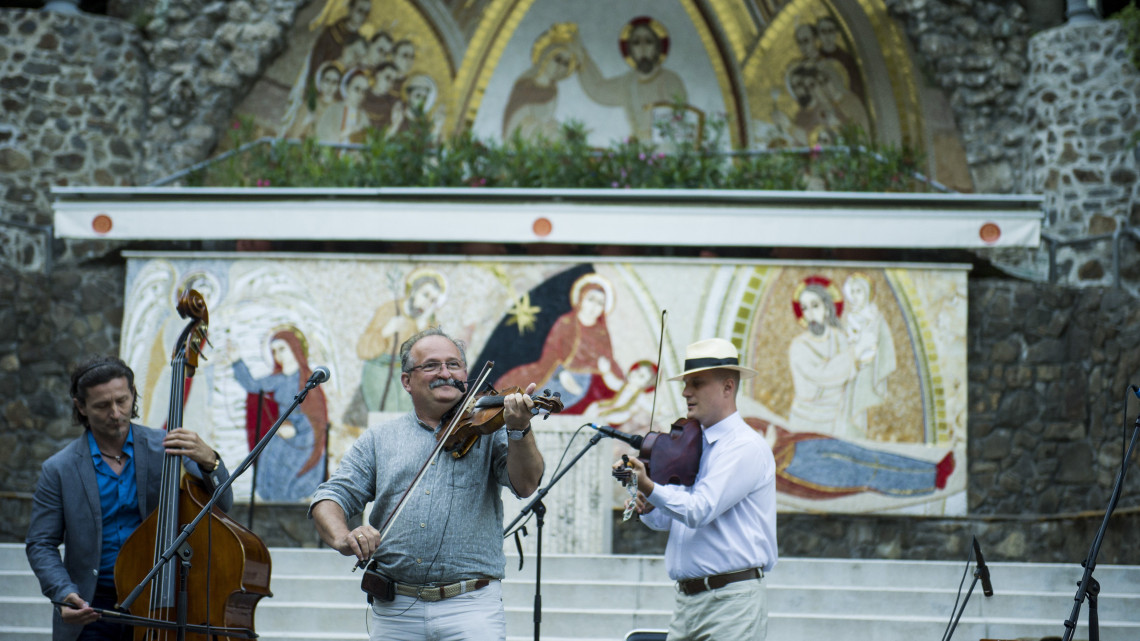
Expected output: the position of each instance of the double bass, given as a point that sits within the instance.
(229, 566)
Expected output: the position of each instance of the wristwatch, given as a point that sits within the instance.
(517, 435)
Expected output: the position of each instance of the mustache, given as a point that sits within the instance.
(449, 382)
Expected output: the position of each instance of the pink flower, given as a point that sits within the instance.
(237, 124)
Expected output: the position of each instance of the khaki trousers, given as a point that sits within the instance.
(736, 612)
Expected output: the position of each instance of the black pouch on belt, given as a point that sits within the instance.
(376, 585)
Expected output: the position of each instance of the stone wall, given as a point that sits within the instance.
(1083, 107)
(73, 105)
(1051, 113)
(48, 323)
(91, 100)
(976, 53)
(204, 56)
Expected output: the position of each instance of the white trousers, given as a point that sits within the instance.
(736, 612)
(474, 616)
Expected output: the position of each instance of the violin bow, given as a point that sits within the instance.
(657, 376)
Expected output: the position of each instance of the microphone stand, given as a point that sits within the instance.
(179, 547)
(1088, 586)
(539, 510)
(958, 615)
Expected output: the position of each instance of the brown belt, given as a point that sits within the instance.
(380, 585)
(716, 581)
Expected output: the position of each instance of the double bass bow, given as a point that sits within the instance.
(223, 565)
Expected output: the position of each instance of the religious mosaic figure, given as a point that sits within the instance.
(631, 407)
(293, 462)
(339, 41)
(382, 106)
(644, 45)
(873, 350)
(424, 292)
(817, 466)
(820, 358)
(346, 121)
(577, 358)
(534, 95)
(822, 88)
(827, 30)
(418, 99)
(328, 96)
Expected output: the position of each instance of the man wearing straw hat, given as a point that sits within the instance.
(722, 530)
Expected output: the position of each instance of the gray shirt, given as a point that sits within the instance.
(451, 528)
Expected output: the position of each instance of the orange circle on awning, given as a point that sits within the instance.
(101, 224)
(989, 233)
(542, 227)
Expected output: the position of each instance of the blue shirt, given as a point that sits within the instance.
(119, 500)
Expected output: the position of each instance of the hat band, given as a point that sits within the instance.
(698, 363)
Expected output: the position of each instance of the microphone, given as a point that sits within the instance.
(458, 384)
(633, 440)
(320, 375)
(983, 571)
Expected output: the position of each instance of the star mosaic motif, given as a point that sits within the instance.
(523, 314)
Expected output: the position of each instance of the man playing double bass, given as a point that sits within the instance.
(92, 494)
(440, 563)
(722, 530)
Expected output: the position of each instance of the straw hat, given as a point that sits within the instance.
(713, 353)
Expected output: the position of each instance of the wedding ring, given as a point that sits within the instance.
(359, 536)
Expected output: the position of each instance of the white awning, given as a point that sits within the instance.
(700, 218)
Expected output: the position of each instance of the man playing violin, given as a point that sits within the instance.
(722, 530)
(440, 563)
(94, 493)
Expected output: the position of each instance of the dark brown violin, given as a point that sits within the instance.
(230, 565)
(674, 457)
(486, 416)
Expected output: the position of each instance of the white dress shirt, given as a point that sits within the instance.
(727, 520)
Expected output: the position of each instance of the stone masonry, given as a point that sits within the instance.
(976, 52)
(1083, 97)
(73, 100)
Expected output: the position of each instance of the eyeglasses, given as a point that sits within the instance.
(433, 367)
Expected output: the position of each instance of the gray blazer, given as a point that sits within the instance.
(66, 510)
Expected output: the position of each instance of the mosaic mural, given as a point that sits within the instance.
(861, 392)
(770, 74)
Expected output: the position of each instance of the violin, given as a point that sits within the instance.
(486, 416)
(674, 457)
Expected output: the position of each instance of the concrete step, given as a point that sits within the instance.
(18, 583)
(596, 598)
